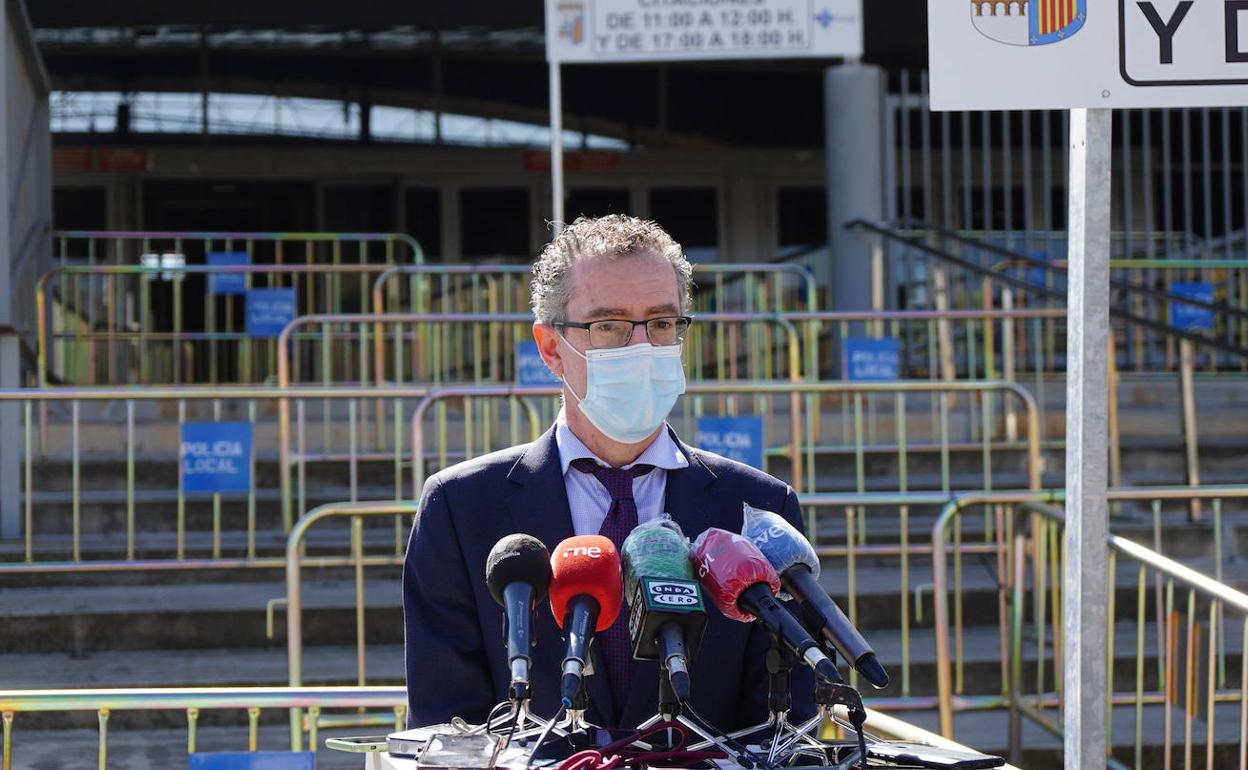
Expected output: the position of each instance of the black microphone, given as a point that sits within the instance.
(798, 565)
(517, 572)
(666, 618)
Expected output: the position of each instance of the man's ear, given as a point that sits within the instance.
(547, 338)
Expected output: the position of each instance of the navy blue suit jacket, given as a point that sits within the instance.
(455, 656)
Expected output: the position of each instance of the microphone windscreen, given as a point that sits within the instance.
(726, 565)
(655, 549)
(586, 565)
(518, 558)
(781, 542)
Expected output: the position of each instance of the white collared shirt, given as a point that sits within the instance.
(589, 500)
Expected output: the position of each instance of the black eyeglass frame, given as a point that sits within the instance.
(633, 329)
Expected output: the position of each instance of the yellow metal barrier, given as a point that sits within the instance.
(144, 335)
(1041, 542)
(88, 303)
(392, 699)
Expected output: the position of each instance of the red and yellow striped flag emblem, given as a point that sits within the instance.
(1054, 15)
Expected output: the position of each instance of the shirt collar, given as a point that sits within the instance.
(662, 452)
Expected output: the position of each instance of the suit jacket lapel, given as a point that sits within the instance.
(539, 507)
(687, 503)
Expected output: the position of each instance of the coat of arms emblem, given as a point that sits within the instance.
(1028, 22)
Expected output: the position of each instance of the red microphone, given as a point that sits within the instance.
(586, 590)
(743, 585)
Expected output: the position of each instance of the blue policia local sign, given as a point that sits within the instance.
(216, 457)
(737, 438)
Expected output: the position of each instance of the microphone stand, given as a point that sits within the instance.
(785, 736)
(671, 710)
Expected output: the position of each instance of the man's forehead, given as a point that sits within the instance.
(609, 282)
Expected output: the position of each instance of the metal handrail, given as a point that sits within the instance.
(791, 389)
(887, 232)
(136, 698)
(392, 697)
(801, 271)
(1056, 267)
(954, 507)
(1156, 561)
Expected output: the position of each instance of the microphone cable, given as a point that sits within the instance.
(564, 704)
(751, 760)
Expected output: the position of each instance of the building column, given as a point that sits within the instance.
(10, 360)
(854, 122)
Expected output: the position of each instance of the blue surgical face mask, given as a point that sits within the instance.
(629, 391)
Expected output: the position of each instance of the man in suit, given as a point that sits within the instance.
(610, 297)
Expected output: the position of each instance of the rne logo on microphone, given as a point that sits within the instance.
(593, 552)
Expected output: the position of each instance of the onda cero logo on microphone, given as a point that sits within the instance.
(672, 593)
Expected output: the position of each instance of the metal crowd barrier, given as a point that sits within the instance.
(88, 301)
(390, 701)
(479, 348)
(132, 327)
(100, 322)
(855, 505)
(121, 432)
(1171, 658)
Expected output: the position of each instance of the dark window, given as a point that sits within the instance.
(494, 223)
(80, 208)
(596, 202)
(424, 220)
(802, 216)
(691, 216)
(359, 209)
(993, 218)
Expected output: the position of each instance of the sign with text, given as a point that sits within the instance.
(866, 359)
(650, 30)
(530, 368)
(1060, 54)
(269, 311)
(225, 282)
(216, 456)
(1192, 317)
(737, 438)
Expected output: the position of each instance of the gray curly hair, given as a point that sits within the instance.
(612, 236)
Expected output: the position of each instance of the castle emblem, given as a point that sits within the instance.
(1028, 22)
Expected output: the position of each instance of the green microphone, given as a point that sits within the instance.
(666, 617)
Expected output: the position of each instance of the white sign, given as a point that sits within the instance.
(1060, 54)
(663, 30)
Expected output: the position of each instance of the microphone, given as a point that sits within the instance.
(743, 585)
(666, 618)
(794, 558)
(585, 597)
(517, 572)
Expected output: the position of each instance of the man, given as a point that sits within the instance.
(611, 298)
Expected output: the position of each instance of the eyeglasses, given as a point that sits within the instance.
(616, 333)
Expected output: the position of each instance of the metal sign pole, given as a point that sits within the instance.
(1086, 578)
(556, 147)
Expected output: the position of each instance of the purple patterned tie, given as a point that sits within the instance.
(621, 520)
